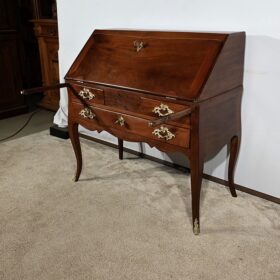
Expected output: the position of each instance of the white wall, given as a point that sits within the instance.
(258, 165)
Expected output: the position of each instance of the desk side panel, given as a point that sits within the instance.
(219, 121)
(228, 70)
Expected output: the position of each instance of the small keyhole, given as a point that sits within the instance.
(138, 45)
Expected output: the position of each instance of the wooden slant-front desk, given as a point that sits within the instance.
(176, 91)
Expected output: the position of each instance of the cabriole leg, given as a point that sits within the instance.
(234, 148)
(74, 136)
(196, 180)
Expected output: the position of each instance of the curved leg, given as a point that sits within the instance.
(120, 145)
(196, 180)
(74, 136)
(234, 148)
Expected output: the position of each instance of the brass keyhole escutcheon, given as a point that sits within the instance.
(138, 45)
(120, 121)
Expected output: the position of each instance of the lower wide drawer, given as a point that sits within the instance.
(129, 123)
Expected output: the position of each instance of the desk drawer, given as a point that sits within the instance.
(146, 106)
(158, 108)
(125, 123)
(91, 94)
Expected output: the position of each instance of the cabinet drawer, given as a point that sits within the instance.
(107, 117)
(122, 99)
(89, 93)
(154, 108)
(45, 29)
(158, 108)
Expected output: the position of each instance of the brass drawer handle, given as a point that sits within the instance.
(138, 45)
(162, 110)
(85, 93)
(87, 113)
(120, 121)
(163, 132)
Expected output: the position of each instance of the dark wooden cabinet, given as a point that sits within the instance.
(19, 56)
(47, 35)
(11, 102)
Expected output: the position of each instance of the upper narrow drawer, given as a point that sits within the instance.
(159, 108)
(146, 106)
(88, 93)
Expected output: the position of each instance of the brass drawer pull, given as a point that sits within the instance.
(87, 113)
(138, 45)
(85, 93)
(120, 121)
(162, 110)
(163, 132)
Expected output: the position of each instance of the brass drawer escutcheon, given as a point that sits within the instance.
(120, 121)
(163, 133)
(87, 113)
(85, 93)
(162, 110)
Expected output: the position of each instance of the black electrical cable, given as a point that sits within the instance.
(19, 130)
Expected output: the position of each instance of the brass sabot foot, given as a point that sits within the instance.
(196, 228)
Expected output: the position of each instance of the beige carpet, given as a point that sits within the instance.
(125, 219)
